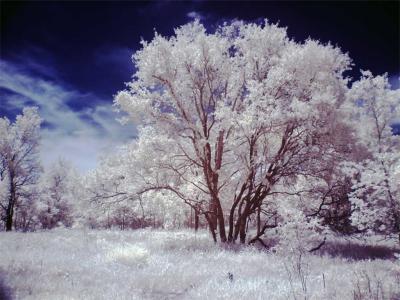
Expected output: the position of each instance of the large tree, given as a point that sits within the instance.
(19, 164)
(231, 119)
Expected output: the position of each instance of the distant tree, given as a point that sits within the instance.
(112, 198)
(19, 163)
(58, 194)
(26, 210)
(233, 118)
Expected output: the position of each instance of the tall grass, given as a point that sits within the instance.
(154, 264)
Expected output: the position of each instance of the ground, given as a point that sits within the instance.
(156, 264)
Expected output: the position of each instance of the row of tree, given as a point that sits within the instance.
(32, 197)
(241, 130)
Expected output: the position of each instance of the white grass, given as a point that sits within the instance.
(128, 254)
(147, 264)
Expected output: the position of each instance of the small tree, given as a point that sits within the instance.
(112, 198)
(19, 164)
(58, 192)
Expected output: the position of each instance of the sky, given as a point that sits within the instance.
(71, 58)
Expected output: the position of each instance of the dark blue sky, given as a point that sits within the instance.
(70, 58)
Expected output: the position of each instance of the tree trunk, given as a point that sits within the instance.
(243, 222)
(231, 218)
(237, 223)
(9, 215)
(210, 226)
(196, 220)
(242, 230)
(9, 221)
(11, 203)
(213, 215)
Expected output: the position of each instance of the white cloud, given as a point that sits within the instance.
(79, 136)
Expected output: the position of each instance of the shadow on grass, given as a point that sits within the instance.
(357, 251)
(5, 292)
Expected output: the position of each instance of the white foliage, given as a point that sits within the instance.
(376, 196)
(268, 102)
(19, 167)
(60, 190)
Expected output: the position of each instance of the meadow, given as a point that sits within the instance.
(182, 264)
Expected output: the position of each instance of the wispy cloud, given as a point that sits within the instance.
(37, 60)
(77, 135)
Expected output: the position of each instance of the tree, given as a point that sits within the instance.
(58, 194)
(376, 196)
(232, 117)
(113, 199)
(19, 164)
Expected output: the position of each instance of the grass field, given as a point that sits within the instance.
(155, 264)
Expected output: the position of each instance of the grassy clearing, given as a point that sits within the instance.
(154, 264)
